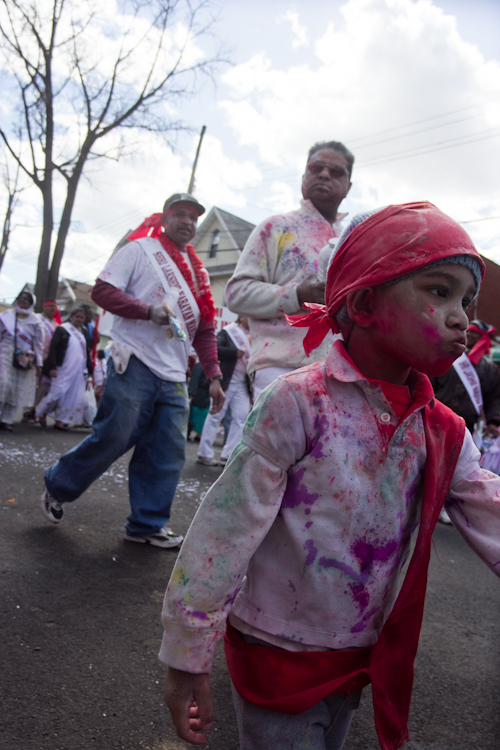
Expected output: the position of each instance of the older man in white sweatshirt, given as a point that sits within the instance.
(277, 271)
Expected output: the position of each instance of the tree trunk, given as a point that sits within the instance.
(53, 276)
(42, 274)
(6, 228)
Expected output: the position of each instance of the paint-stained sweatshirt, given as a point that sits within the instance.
(305, 536)
(279, 255)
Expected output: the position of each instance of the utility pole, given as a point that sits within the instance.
(191, 181)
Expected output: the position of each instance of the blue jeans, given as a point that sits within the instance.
(136, 409)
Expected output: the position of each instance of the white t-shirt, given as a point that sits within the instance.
(131, 271)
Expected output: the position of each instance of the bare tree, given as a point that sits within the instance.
(13, 187)
(81, 73)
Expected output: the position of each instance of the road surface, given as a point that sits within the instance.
(80, 624)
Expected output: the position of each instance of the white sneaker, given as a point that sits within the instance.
(51, 509)
(444, 517)
(206, 461)
(165, 538)
(222, 461)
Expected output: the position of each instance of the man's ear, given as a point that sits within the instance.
(361, 306)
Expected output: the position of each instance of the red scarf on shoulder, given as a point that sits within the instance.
(152, 227)
(294, 681)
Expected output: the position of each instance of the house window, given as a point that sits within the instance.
(214, 243)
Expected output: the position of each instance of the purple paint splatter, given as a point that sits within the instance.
(200, 615)
(311, 551)
(297, 493)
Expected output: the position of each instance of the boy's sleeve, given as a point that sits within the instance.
(473, 504)
(231, 523)
(251, 289)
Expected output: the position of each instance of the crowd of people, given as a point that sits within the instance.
(309, 554)
(45, 364)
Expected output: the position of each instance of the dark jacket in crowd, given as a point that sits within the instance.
(227, 352)
(57, 352)
(198, 388)
(451, 391)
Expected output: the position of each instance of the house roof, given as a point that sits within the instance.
(69, 290)
(238, 229)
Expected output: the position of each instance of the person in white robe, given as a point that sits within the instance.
(233, 348)
(50, 319)
(21, 330)
(68, 366)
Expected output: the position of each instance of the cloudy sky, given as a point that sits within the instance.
(411, 87)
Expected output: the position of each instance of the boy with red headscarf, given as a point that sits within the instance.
(311, 551)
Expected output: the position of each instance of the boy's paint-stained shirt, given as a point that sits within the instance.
(305, 535)
(279, 255)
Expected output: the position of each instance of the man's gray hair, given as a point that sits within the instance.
(336, 146)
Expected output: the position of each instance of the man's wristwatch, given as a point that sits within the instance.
(216, 377)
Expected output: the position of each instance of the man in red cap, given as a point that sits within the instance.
(159, 293)
(300, 548)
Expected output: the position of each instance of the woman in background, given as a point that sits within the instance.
(67, 365)
(21, 351)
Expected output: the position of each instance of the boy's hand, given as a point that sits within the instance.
(190, 704)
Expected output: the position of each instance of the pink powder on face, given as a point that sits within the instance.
(432, 334)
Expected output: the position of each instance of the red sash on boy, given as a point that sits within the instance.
(292, 682)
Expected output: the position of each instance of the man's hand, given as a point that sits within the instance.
(190, 704)
(240, 353)
(217, 395)
(38, 371)
(53, 373)
(311, 290)
(158, 315)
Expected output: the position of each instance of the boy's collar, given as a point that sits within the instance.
(340, 366)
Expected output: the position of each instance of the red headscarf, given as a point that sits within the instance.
(482, 346)
(57, 315)
(391, 243)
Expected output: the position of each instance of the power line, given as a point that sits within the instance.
(420, 122)
(416, 132)
(485, 218)
(422, 150)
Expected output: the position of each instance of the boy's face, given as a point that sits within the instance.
(420, 322)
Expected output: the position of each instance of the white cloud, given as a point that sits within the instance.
(282, 197)
(221, 179)
(5, 279)
(300, 32)
(390, 64)
(392, 79)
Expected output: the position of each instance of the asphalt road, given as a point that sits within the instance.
(80, 624)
